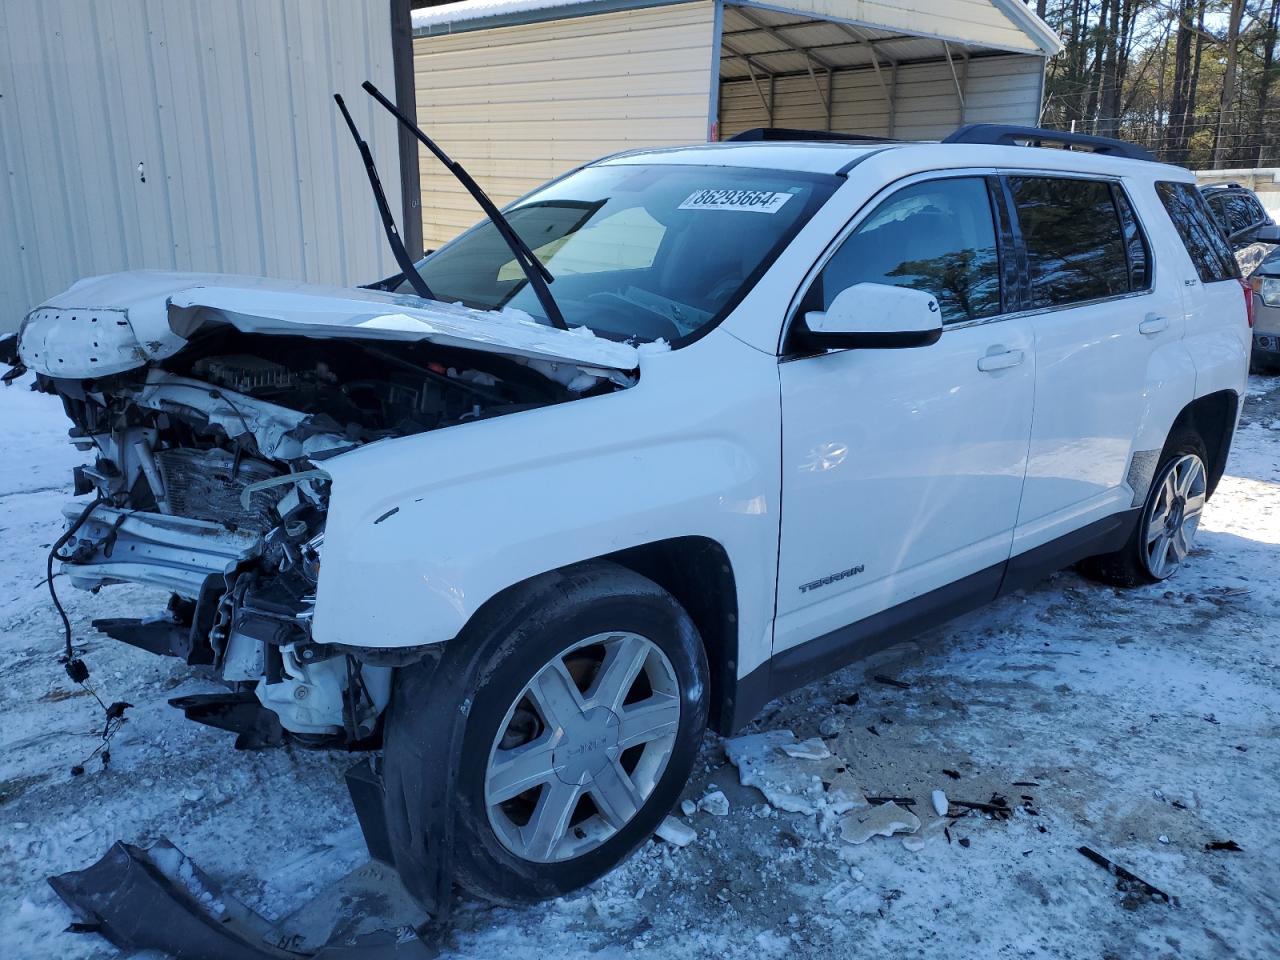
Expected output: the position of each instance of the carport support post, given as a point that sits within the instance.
(406, 102)
(893, 100)
(946, 48)
(829, 95)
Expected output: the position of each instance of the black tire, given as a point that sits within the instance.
(498, 654)
(1127, 567)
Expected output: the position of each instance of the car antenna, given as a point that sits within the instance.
(539, 276)
(388, 223)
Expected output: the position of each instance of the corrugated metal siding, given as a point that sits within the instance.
(229, 109)
(519, 105)
(926, 105)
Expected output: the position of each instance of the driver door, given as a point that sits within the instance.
(903, 468)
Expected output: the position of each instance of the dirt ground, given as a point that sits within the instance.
(1142, 724)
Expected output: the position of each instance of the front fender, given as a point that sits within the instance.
(423, 530)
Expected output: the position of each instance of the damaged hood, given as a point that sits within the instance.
(117, 322)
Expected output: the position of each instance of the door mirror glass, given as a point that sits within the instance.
(874, 315)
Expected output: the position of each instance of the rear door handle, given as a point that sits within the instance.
(1000, 361)
(1153, 324)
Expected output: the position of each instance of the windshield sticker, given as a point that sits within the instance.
(753, 201)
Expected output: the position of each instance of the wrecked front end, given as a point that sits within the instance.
(207, 439)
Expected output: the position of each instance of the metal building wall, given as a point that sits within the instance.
(189, 135)
(926, 104)
(520, 104)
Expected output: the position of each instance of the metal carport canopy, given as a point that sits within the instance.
(1006, 25)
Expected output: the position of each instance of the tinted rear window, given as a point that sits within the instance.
(1073, 237)
(1205, 244)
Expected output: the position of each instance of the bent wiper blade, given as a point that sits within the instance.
(388, 222)
(533, 268)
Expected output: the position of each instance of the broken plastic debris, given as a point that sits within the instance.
(1224, 845)
(716, 804)
(891, 682)
(940, 803)
(881, 821)
(1126, 882)
(811, 749)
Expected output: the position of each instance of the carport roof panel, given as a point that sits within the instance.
(989, 24)
(770, 43)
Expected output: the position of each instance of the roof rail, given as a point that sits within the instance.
(1010, 135)
(787, 134)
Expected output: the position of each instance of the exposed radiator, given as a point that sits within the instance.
(199, 484)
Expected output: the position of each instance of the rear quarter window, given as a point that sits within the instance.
(1208, 249)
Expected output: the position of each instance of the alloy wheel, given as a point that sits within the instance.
(582, 747)
(1174, 515)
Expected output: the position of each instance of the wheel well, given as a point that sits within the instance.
(696, 571)
(1213, 417)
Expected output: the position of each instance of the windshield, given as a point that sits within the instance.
(637, 252)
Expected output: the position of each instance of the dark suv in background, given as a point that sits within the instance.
(1253, 236)
(1247, 225)
(1265, 281)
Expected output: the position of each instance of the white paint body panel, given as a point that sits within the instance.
(691, 450)
(109, 324)
(905, 462)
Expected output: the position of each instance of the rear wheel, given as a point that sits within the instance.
(1170, 518)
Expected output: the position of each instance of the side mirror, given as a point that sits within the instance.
(875, 315)
(1270, 233)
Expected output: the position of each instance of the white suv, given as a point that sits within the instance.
(795, 400)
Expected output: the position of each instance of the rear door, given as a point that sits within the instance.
(1097, 319)
(902, 468)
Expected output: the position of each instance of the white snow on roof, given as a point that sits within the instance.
(479, 9)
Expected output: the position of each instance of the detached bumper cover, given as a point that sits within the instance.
(158, 899)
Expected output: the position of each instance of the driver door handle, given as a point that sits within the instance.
(1000, 361)
(1152, 324)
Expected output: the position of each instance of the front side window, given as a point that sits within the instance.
(937, 236)
(1073, 238)
(1205, 244)
(638, 252)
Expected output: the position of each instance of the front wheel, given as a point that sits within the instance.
(1170, 518)
(582, 724)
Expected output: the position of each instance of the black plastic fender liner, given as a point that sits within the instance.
(419, 774)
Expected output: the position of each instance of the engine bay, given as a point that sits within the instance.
(207, 480)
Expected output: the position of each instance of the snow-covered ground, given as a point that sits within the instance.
(1148, 720)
